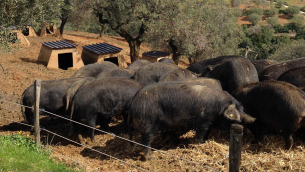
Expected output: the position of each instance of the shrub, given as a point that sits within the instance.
(258, 2)
(237, 12)
(281, 29)
(289, 51)
(279, 4)
(255, 18)
(298, 20)
(236, 3)
(286, 3)
(300, 33)
(292, 10)
(257, 10)
(273, 21)
(273, 11)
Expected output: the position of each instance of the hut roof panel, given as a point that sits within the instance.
(102, 48)
(59, 44)
(156, 54)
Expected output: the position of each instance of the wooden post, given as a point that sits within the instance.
(37, 86)
(236, 135)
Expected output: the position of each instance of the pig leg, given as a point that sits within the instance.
(288, 139)
(92, 123)
(202, 133)
(256, 133)
(147, 139)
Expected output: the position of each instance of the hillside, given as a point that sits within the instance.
(282, 18)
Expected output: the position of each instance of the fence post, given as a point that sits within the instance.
(37, 86)
(236, 135)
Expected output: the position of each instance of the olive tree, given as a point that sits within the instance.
(292, 10)
(128, 18)
(273, 11)
(254, 18)
(273, 21)
(198, 29)
(298, 20)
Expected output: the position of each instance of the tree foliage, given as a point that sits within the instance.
(279, 3)
(190, 28)
(273, 21)
(254, 18)
(289, 51)
(235, 3)
(80, 14)
(258, 2)
(256, 10)
(18, 13)
(128, 18)
(298, 20)
(292, 10)
(273, 11)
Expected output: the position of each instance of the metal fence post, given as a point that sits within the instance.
(236, 135)
(37, 86)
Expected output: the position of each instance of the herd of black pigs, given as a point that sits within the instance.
(162, 97)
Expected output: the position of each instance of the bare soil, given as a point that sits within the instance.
(18, 71)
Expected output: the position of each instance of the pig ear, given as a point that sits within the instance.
(209, 68)
(232, 113)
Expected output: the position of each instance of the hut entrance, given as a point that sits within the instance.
(65, 61)
(113, 60)
(26, 32)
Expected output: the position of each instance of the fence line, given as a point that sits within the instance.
(42, 129)
(122, 138)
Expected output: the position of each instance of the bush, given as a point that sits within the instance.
(246, 12)
(298, 20)
(286, 3)
(245, 42)
(281, 39)
(237, 12)
(255, 18)
(282, 11)
(281, 29)
(300, 33)
(273, 11)
(257, 10)
(258, 2)
(279, 4)
(273, 21)
(236, 3)
(289, 51)
(292, 10)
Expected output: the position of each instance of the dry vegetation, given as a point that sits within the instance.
(18, 71)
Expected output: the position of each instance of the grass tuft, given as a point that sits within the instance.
(20, 153)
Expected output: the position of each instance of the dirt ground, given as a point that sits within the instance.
(18, 71)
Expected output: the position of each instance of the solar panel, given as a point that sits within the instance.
(59, 44)
(102, 48)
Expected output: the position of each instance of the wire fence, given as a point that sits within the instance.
(112, 134)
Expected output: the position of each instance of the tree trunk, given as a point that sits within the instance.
(134, 46)
(62, 25)
(174, 48)
(102, 29)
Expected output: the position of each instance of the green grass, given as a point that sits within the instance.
(20, 153)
